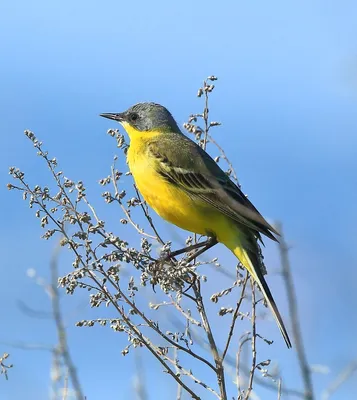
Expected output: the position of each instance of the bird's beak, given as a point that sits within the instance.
(120, 117)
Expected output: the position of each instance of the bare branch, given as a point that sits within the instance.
(235, 316)
(61, 331)
(341, 378)
(243, 340)
(254, 342)
(206, 325)
(293, 311)
(126, 212)
(4, 367)
(279, 388)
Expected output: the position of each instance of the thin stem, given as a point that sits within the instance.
(254, 339)
(341, 378)
(293, 311)
(126, 212)
(61, 331)
(279, 388)
(148, 217)
(154, 326)
(65, 385)
(140, 336)
(244, 339)
(205, 116)
(235, 316)
(179, 387)
(185, 372)
(212, 342)
(224, 156)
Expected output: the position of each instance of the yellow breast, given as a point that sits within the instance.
(169, 201)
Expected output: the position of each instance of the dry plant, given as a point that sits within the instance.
(62, 367)
(5, 367)
(118, 275)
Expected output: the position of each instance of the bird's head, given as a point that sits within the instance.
(145, 117)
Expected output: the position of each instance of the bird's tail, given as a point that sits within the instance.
(252, 262)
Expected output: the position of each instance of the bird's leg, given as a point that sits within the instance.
(207, 244)
(189, 248)
(192, 282)
(210, 242)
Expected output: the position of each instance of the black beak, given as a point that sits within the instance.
(116, 117)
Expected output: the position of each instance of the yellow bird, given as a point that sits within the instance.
(186, 187)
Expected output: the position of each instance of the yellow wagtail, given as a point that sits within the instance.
(186, 187)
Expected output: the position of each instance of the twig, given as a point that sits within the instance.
(150, 347)
(134, 328)
(61, 331)
(205, 115)
(126, 212)
(293, 311)
(65, 385)
(213, 346)
(190, 375)
(155, 327)
(244, 339)
(179, 387)
(341, 378)
(29, 346)
(235, 316)
(148, 217)
(279, 388)
(4, 367)
(188, 317)
(140, 384)
(225, 158)
(55, 373)
(254, 340)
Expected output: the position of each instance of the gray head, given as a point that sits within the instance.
(146, 117)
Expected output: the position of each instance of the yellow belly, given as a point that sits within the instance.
(171, 203)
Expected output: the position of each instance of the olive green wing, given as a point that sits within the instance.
(186, 165)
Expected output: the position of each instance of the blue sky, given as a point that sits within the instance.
(287, 98)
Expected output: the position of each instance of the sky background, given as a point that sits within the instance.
(287, 98)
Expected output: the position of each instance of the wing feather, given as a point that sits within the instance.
(201, 177)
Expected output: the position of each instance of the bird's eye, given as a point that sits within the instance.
(134, 117)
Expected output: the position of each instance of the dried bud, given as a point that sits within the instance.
(44, 221)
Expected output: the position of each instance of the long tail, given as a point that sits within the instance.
(251, 261)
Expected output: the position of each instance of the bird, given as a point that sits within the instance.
(186, 187)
